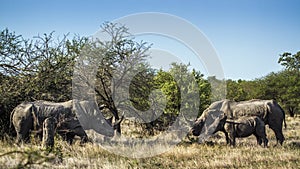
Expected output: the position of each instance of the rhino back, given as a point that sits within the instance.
(248, 108)
(46, 109)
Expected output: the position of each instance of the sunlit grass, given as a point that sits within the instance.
(185, 155)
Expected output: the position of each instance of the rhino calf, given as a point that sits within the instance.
(246, 126)
(69, 128)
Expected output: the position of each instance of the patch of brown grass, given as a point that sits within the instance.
(185, 155)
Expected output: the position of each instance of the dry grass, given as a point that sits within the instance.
(185, 155)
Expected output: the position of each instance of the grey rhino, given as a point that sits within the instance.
(68, 128)
(246, 126)
(268, 110)
(29, 116)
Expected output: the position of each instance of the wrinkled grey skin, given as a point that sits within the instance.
(69, 128)
(268, 110)
(91, 118)
(27, 117)
(197, 127)
(246, 126)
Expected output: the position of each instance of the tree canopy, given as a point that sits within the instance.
(43, 68)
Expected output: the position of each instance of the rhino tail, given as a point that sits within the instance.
(284, 122)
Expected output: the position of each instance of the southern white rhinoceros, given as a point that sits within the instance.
(30, 116)
(268, 110)
(246, 126)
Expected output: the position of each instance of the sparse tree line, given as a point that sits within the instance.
(42, 69)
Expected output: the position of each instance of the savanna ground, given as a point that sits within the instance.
(214, 154)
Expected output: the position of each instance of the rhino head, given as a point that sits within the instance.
(68, 128)
(210, 121)
(197, 127)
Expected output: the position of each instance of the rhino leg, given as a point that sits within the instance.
(230, 133)
(278, 133)
(48, 132)
(265, 140)
(69, 137)
(258, 139)
(261, 140)
(275, 123)
(231, 137)
(82, 134)
(232, 141)
(226, 136)
(23, 128)
(279, 137)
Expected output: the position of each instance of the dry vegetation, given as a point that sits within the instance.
(214, 154)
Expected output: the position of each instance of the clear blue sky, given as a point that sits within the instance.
(248, 35)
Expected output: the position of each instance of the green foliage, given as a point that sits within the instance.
(118, 59)
(167, 93)
(204, 91)
(283, 86)
(290, 81)
(42, 68)
(35, 69)
(218, 88)
(169, 87)
(289, 61)
(245, 90)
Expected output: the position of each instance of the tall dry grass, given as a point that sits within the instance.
(214, 154)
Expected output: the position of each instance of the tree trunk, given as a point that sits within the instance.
(292, 111)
